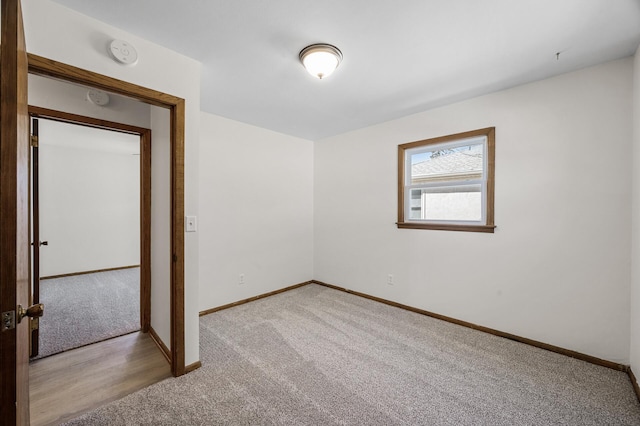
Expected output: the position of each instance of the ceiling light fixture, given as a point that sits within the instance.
(320, 60)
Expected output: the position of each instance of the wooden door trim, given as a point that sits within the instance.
(66, 117)
(145, 192)
(47, 67)
(145, 231)
(178, 365)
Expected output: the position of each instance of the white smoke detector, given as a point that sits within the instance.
(98, 97)
(123, 52)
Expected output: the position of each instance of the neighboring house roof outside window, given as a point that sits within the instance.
(452, 165)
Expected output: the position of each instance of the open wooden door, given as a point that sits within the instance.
(14, 213)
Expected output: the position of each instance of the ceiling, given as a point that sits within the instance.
(400, 56)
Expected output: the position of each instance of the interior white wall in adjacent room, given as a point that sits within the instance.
(58, 33)
(256, 204)
(160, 222)
(557, 268)
(635, 252)
(62, 96)
(89, 199)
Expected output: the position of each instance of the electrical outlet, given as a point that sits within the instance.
(241, 279)
(390, 279)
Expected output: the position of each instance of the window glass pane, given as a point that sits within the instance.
(457, 203)
(447, 203)
(447, 164)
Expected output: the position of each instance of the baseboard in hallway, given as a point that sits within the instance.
(73, 274)
(160, 344)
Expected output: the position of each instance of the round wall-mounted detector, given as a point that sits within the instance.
(123, 52)
(98, 97)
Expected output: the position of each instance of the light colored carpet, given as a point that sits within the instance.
(84, 309)
(317, 356)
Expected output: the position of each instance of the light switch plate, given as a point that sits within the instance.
(191, 224)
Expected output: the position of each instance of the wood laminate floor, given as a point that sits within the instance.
(68, 384)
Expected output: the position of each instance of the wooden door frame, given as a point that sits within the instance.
(46, 67)
(34, 236)
(145, 192)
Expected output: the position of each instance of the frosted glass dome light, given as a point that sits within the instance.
(320, 60)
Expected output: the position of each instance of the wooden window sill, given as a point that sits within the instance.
(447, 227)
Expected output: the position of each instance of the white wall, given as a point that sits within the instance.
(635, 252)
(61, 34)
(57, 259)
(256, 205)
(89, 199)
(557, 269)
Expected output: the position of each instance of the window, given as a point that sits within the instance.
(447, 182)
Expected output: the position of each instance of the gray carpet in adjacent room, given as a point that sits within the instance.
(88, 308)
(317, 356)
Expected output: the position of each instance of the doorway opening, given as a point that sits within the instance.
(91, 216)
(172, 256)
(124, 364)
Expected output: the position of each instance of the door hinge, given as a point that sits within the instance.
(8, 321)
(34, 141)
(34, 324)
